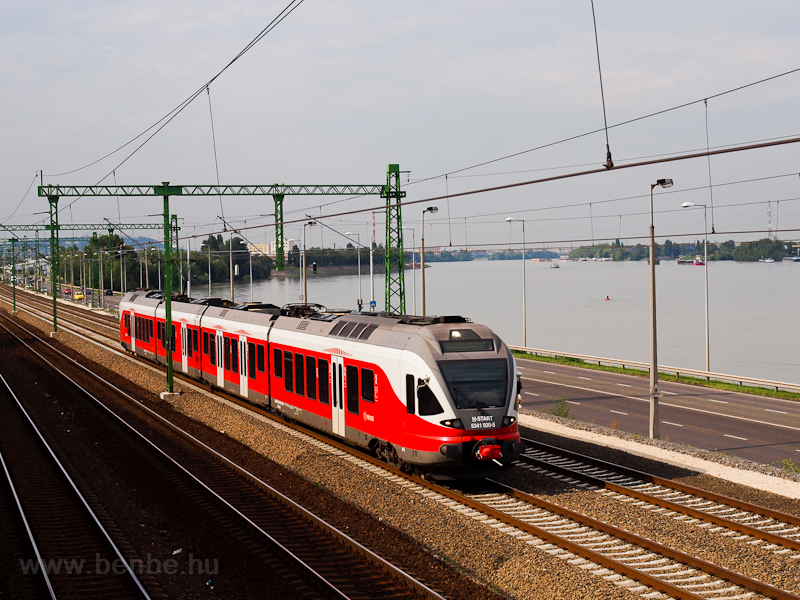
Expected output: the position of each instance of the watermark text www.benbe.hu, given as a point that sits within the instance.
(103, 566)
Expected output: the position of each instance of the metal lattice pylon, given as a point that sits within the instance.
(393, 259)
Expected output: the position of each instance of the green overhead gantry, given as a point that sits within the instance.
(55, 240)
(395, 296)
(394, 260)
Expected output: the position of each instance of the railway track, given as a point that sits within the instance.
(779, 530)
(636, 563)
(330, 565)
(75, 310)
(642, 566)
(68, 547)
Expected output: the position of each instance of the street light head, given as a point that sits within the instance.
(687, 204)
(432, 209)
(509, 219)
(664, 183)
(349, 233)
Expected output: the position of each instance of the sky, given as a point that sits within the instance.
(338, 90)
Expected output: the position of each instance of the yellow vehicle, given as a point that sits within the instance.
(78, 296)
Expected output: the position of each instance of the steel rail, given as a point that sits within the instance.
(70, 484)
(83, 390)
(692, 561)
(331, 530)
(31, 539)
(71, 308)
(695, 513)
(588, 554)
(662, 481)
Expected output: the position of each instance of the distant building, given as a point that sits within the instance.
(263, 248)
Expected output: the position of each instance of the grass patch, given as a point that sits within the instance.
(560, 408)
(787, 464)
(717, 385)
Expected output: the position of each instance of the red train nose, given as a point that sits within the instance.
(489, 452)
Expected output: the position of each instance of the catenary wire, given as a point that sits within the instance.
(271, 25)
(554, 178)
(621, 123)
(25, 195)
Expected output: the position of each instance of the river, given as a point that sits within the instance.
(753, 319)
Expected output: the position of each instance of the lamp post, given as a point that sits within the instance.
(705, 268)
(230, 262)
(655, 420)
(303, 265)
(250, 255)
(413, 268)
(524, 302)
(432, 210)
(14, 272)
(101, 299)
(359, 302)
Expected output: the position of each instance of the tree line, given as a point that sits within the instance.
(728, 250)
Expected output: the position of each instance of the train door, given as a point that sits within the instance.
(220, 364)
(337, 393)
(243, 365)
(133, 331)
(185, 347)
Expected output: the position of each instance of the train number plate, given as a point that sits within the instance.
(482, 422)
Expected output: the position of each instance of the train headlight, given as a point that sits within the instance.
(507, 421)
(454, 423)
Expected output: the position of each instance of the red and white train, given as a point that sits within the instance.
(428, 394)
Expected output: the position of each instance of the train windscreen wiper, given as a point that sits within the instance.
(469, 400)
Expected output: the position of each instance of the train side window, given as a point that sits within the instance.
(188, 343)
(205, 342)
(235, 356)
(311, 377)
(227, 353)
(126, 323)
(288, 381)
(195, 342)
(260, 357)
(428, 404)
(299, 376)
(212, 350)
(251, 359)
(352, 389)
(368, 385)
(278, 360)
(323, 381)
(410, 395)
(149, 330)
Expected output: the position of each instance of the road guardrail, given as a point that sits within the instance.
(678, 371)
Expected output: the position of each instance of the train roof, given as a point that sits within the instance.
(442, 334)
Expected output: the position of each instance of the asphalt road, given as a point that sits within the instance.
(752, 427)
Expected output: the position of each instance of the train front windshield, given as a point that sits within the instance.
(476, 383)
